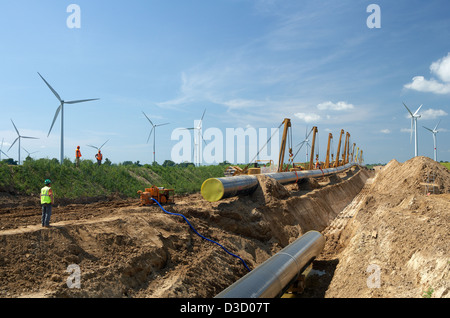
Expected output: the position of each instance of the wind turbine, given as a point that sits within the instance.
(1, 151)
(306, 141)
(198, 144)
(19, 138)
(29, 153)
(154, 135)
(61, 109)
(98, 148)
(434, 132)
(414, 118)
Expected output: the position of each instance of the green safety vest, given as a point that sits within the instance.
(45, 196)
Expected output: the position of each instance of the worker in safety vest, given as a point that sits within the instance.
(99, 157)
(77, 156)
(46, 202)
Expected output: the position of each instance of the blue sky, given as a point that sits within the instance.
(249, 63)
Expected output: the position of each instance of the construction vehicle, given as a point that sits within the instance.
(311, 161)
(284, 140)
(327, 159)
(353, 152)
(336, 162)
(160, 194)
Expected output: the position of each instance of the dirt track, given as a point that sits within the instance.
(124, 250)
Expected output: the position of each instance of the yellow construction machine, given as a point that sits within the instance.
(160, 194)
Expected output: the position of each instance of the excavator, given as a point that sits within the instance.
(336, 162)
(327, 159)
(286, 140)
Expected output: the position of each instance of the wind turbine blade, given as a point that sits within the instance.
(161, 125)
(415, 114)
(54, 119)
(309, 133)
(103, 145)
(4, 153)
(51, 88)
(408, 110)
(80, 101)
(150, 134)
(188, 128)
(29, 137)
(301, 144)
(203, 114)
(148, 119)
(15, 128)
(435, 128)
(92, 146)
(13, 143)
(427, 128)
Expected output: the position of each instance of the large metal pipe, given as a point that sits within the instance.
(216, 189)
(275, 275)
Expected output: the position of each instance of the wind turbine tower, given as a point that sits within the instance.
(414, 118)
(434, 132)
(154, 135)
(61, 109)
(198, 141)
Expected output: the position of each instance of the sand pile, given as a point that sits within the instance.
(409, 176)
(396, 237)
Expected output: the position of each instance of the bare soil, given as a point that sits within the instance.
(381, 218)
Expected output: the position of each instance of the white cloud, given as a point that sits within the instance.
(433, 113)
(385, 131)
(440, 68)
(420, 84)
(335, 106)
(308, 118)
(408, 130)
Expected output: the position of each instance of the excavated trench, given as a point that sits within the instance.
(133, 251)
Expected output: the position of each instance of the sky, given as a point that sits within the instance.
(248, 64)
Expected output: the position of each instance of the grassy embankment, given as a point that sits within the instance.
(91, 180)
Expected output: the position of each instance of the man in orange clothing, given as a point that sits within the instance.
(99, 157)
(77, 156)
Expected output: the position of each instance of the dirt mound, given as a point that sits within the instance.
(408, 177)
(392, 241)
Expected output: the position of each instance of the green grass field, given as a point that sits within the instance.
(446, 164)
(91, 180)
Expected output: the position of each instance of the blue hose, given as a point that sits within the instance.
(243, 262)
